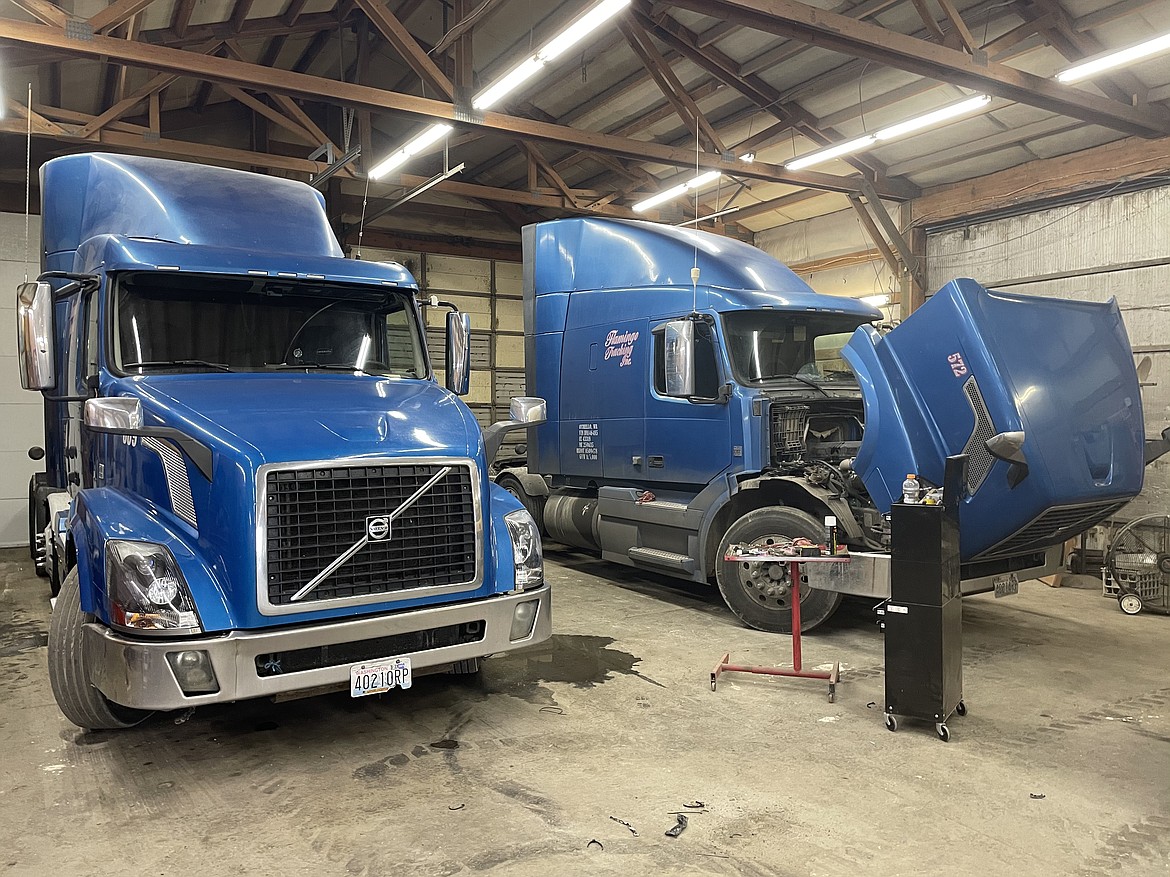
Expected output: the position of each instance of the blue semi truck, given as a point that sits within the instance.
(701, 395)
(253, 484)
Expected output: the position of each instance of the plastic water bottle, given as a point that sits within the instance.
(910, 488)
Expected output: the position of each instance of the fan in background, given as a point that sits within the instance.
(1138, 562)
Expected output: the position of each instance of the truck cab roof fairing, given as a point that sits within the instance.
(99, 193)
(641, 254)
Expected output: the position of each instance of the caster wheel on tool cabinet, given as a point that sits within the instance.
(1131, 604)
(944, 733)
(961, 709)
(891, 723)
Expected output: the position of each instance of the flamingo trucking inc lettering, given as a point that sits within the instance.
(620, 345)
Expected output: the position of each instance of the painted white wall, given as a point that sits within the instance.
(21, 411)
(1111, 234)
(836, 234)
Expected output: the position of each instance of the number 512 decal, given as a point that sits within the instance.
(957, 365)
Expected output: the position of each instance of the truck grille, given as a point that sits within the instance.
(1054, 526)
(314, 515)
(979, 459)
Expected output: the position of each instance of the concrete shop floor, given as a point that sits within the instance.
(518, 771)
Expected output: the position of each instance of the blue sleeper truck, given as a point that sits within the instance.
(701, 395)
(253, 484)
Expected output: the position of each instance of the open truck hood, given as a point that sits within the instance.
(972, 363)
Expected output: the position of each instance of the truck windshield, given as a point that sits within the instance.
(769, 345)
(174, 323)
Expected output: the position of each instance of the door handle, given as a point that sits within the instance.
(656, 461)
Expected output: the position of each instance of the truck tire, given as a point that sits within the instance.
(533, 504)
(77, 698)
(758, 593)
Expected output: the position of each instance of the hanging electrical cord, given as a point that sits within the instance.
(362, 222)
(695, 269)
(27, 180)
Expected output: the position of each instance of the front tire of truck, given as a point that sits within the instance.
(759, 593)
(77, 698)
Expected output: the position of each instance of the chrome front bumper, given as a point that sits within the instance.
(868, 575)
(136, 674)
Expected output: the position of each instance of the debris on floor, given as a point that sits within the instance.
(679, 827)
(633, 830)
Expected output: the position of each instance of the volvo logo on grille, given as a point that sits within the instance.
(378, 527)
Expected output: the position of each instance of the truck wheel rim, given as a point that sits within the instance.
(767, 582)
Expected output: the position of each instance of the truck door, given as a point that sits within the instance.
(688, 441)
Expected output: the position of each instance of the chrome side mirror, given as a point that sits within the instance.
(116, 413)
(34, 336)
(458, 360)
(524, 411)
(678, 347)
(528, 410)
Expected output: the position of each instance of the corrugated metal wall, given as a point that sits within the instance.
(1113, 246)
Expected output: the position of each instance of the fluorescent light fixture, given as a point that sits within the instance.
(878, 301)
(675, 191)
(1115, 59)
(553, 49)
(428, 137)
(708, 216)
(823, 155)
(935, 118)
(891, 132)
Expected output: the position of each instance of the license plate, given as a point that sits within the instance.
(1007, 585)
(378, 677)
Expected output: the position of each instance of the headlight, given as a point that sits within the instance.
(525, 549)
(147, 592)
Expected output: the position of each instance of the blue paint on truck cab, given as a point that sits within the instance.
(799, 408)
(253, 481)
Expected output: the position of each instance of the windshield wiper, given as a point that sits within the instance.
(333, 366)
(800, 378)
(184, 363)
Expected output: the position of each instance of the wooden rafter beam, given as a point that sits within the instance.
(395, 33)
(549, 171)
(240, 13)
(464, 26)
(838, 33)
(752, 87)
(274, 116)
(117, 13)
(181, 19)
(929, 20)
(965, 36)
(364, 97)
(311, 51)
(672, 89)
(42, 10)
(291, 110)
(133, 141)
(875, 235)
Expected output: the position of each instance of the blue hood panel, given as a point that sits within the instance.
(972, 363)
(285, 418)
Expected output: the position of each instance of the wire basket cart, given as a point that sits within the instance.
(1137, 566)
